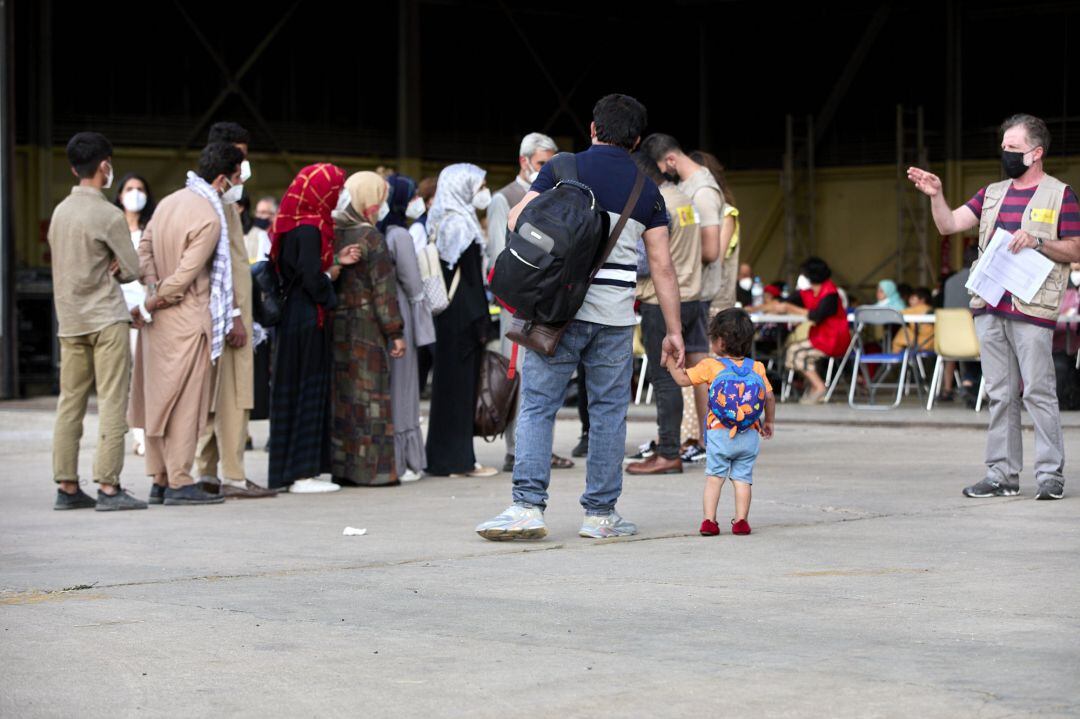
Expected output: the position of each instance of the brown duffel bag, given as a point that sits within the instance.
(496, 396)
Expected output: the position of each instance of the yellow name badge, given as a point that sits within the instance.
(1046, 215)
(686, 215)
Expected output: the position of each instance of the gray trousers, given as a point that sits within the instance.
(1014, 350)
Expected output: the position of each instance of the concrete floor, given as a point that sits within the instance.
(870, 587)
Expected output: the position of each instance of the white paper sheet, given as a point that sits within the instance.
(999, 270)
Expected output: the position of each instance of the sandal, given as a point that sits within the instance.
(558, 462)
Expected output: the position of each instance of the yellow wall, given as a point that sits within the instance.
(855, 225)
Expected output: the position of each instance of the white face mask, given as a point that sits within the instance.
(532, 174)
(245, 171)
(416, 208)
(482, 199)
(384, 210)
(343, 201)
(109, 177)
(746, 283)
(1075, 277)
(134, 200)
(802, 283)
(233, 194)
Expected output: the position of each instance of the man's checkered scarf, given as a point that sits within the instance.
(221, 289)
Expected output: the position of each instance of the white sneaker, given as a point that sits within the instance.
(516, 522)
(606, 525)
(409, 476)
(313, 486)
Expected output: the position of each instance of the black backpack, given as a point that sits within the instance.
(550, 255)
(268, 298)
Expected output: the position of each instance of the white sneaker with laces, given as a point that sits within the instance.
(516, 522)
(409, 476)
(602, 526)
(313, 486)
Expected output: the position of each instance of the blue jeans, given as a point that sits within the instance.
(607, 353)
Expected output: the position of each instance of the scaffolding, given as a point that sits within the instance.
(913, 262)
(799, 198)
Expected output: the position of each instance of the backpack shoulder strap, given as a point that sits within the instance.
(613, 239)
(564, 166)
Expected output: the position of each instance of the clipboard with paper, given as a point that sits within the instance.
(999, 271)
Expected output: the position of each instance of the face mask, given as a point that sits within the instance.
(802, 283)
(109, 177)
(672, 177)
(344, 200)
(134, 200)
(263, 223)
(746, 283)
(532, 174)
(384, 210)
(233, 194)
(245, 171)
(416, 208)
(1074, 276)
(1013, 163)
(482, 199)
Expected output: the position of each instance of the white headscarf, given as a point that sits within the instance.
(452, 218)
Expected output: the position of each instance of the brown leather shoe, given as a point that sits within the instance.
(250, 490)
(655, 465)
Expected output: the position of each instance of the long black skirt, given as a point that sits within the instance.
(300, 416)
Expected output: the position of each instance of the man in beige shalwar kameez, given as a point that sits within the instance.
(172, 378)
(232, 390)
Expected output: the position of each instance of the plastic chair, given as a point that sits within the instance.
(955, 340)
(876, 317)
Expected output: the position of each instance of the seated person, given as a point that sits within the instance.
(921, 335)
(818, 300)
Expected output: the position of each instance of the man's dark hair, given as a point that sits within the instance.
(924, 294)
(816, 270)
(620, 120)
(86, 150)
(219, 158)
(229, 132)
(1036, 129)
(648, 168)
(735, 329)
(658, 144)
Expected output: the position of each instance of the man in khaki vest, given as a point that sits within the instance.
(233, 395)
(1016, 337)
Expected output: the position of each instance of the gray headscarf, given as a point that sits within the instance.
(452, 218)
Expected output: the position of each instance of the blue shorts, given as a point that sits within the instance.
(732, 457)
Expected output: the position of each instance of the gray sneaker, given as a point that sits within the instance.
(1050, 489)
(79, 500)
(602, 526)
(517, 521)
(117, 502)
(992, 488)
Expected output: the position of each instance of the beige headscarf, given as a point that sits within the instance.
(367, 190)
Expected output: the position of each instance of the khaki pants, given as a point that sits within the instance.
(173, 453)
(98, 361)
(226, 433)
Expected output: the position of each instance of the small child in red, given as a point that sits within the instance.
(730, 454)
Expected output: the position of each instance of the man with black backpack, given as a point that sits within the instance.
(570, 270)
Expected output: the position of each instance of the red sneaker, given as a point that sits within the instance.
(709, 528)
(740, 527)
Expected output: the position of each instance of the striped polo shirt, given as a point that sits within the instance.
(610, 172)
(1009, 219)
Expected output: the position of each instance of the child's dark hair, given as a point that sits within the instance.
(735, 329)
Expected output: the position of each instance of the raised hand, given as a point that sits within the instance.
(926, 182)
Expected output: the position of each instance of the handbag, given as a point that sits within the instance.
(431, 275)
(544, 337)
(496, 396)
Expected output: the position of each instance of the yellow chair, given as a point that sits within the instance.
(954, 340)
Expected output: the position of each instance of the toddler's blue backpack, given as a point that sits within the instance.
(737, 395)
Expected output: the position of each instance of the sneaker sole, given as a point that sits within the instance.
(1007, 493)
(1049, 495)
(75, 506)
(100, 508)
(506, 535)
(193, 502)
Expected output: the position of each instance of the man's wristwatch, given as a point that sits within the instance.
(1038, 243)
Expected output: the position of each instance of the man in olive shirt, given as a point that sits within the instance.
(92, 255)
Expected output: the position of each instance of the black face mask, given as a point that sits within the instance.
(672, 177)
(263, 223)
(1013, 163)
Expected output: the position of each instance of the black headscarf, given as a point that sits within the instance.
(402, 190)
